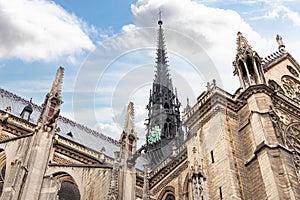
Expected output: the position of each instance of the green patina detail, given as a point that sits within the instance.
(155, 135)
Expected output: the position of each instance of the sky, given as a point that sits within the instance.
(108, 50)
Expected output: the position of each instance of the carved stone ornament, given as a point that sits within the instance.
(292, 87)
(275, 86)
(292, 136)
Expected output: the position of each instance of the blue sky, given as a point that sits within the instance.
(108, 53)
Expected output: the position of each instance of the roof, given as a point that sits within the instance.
(267, 61)
(80, 133)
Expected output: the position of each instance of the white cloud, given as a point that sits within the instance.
(128, 27)
(112, 129)
(40, 30)
(283, 12)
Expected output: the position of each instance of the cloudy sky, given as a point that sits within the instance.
(108, 49)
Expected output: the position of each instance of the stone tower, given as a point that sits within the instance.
(163, 123)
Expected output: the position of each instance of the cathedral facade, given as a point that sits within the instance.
(244, 145)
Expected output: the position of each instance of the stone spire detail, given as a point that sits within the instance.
(53, 100)
(162, 76)
(242, 43)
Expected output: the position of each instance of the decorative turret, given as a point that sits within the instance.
(53, 100)
(247, 64)
(163, 123)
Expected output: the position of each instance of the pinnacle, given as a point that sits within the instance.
(242, 42)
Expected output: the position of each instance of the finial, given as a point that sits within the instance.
(242, 42)
(160, 22)
(30, 100)
(129, 121)
(281, 46)
(57, 83)
(187, 101)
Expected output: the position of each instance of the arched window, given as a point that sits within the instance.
(68, 189)
(275, 86)
(2, 170)
(242, 66)
(170, 197)
(291, 137)
(167, 193)
(249, 63)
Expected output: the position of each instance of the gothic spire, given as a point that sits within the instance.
(242, 43)
(162, 76)
(163, 124)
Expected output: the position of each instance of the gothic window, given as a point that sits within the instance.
(292, 140)
(68, 190)
(170, 197)
(292, 87)
(2, 170)
(292, 70)
(257, 63)
(242, 66)
(249, 63)
(167, 193)
(130, 146)
(51, 109)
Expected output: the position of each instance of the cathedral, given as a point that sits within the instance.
(244, 145)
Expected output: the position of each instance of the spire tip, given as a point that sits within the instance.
(160, 22)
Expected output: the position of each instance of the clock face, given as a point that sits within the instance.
(155, 135)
